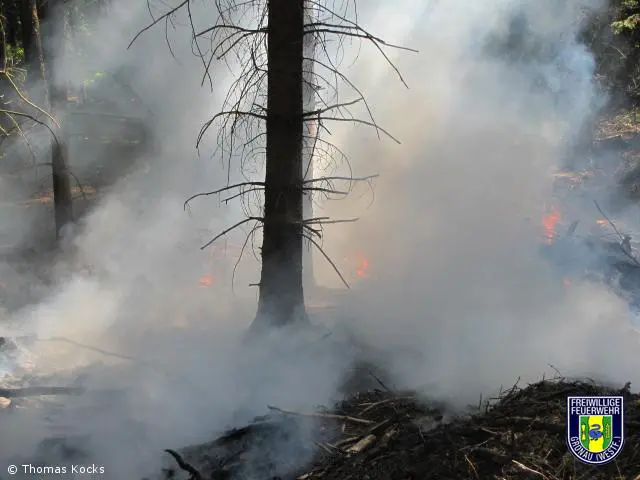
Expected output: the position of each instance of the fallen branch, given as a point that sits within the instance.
(362, 444)
(530, 470)
(187, 467)
(629, 255)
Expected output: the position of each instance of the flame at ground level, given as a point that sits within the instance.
(549, 223)
(207, 280)
(362, 269)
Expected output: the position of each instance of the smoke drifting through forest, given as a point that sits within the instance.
(457, 291)
(454, 232)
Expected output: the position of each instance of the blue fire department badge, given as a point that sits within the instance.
(595, 430)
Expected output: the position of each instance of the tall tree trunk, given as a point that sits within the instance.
(281, 299)
(3, 34)
(4, 84)
(36, 50)
(25, 9)
(11, 22)
(309, 142)
(52, 36)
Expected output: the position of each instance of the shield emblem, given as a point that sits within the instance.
(595, 430)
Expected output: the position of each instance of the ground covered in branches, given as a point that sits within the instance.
(388, 435)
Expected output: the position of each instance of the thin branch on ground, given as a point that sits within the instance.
(627, 254)
(187, 467)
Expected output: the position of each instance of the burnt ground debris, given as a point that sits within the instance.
(385, 435)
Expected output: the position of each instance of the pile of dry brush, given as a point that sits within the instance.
(391, 435)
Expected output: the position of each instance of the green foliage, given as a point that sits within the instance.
(613, 36)
(629, 23)
(627, 16)
(15, 55)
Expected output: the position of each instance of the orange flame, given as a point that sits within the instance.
(207, 280)
(363, 267)
(549, 223)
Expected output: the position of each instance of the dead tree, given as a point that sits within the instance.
(277, 49)
(49, 40)
(281, 299)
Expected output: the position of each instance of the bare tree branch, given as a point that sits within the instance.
(328, 259)
(158, 20)
(220, 190)
(230, 229)
(240, 34)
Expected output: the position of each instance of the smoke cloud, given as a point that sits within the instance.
(458, 299)
(459, 291)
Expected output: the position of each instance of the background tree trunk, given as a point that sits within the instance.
(51, 41)
(281, 299)
(25, 11)
(11, 22)
(310, 132)
(3, 34)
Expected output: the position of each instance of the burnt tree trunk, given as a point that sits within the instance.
(281, 299)
(51, 41)
(309, 141)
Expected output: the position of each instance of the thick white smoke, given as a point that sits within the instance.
(458, 299)
(459, 290)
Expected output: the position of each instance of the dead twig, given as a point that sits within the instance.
(187, 467)
(627, 254)
(530, 470)
(472, 467)
(362, 444)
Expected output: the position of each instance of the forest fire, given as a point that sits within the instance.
(207, 280)
(362, 271)
(217, 253)
(549, 223)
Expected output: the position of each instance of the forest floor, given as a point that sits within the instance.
(388, 435)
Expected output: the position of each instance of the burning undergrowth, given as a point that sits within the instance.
(383, 434)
